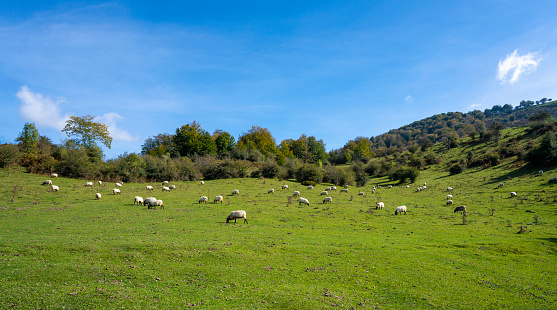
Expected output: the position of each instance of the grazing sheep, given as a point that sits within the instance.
(449, 202)
(310, 187)
(328, 199)
(164, 183)
(361, 194)
(324, 193)
(271, 191)
(303, 200)
(156, 203)
(425, 184)
(218, 199)
(328, 189)
(380, 205)
(89, 184)
(119, 184)
(54, 188)
(149, 188)
(500, 185)
(235, 192)
(333, 188)
(240, 214)
(54, 175)
(460, 209)
(449, 197)
(449, 189)
(285, 186)
(344, 190)
(202, 183)
(98, 195)
(116, 191)
(514, 194)
(553, 179)
(373, 191)
(47, 182)
(407, 186)
(296, 193)
(148, 200)
(400, 209)
(346, 186)
(172, 187)
(203, 199)
(138, 200)
(165, 189)
(100, 182)
(540, 172)
(390, 186)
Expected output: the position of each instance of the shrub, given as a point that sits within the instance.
(8, 155)
(270, 170)
(403, 173)
(309, 172)
(337, 176)
(227, 170)
(456, 169)
(546, 152)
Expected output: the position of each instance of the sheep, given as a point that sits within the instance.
(156, 203)
(460, 209)
(500, 185)
(333, 188)
(380, 205)
(328, 199)
(203, 199)
(218, 199)
(172, 187)
(54, 175)
(296, 193)
(89, 184)
(449, 202)
(202, 183)
(310, 187)
(303, 200)
(285, 186)
(346, 186)
(373, 190)
(54, 188)
(425, 184)
(271, 191)
(553, 179)
(390, 186)
(119, 184)
(165, 189)
(147, 200)
(240, 214)
(407, 186)
(514, 194)
(344, 190)
(449, 197)
(449, 189)
(361, 194)
(47, 182)
(164, 183)
(149, 188)
(100, 182)
(116, 191)
(540, 172)
(235, 192)
(400, 209)
(138, 200)
(324, 193)
(98, 195)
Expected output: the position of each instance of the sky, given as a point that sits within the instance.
(335, 70)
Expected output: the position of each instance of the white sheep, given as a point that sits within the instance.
(138, 200)
(89, 184)
(296, 193)
(310, 187)
(271, 191)
(407, 186)
(218, 199)
(54, 188)
(172, 187)
(149, 188)
(235, 192)
(165, 189)
(380, 205)
(346, 186)
(100, 182)
(328, 199)
(553, 179)
(164, 183)
(54, 175)
(119, 184)
(98, 195)
(361, 194)
(240, 214)
(324, 193)
(425, 184)
(202, 183)
(344, 190)
(147, 200)
(203, 199)
(514, 194)
(449, 189)
(373, 191)
(540, 172)
(156, 203)
(390, 186)
(47, 182)
(449, 197)
(303, 200)
(116, 191)
(328, 189)
(449, 202)
(333, 188)
(285, 186)
(500, 185)
(400, 209)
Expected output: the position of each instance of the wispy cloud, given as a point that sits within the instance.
(514, 65)
(116, 133)
(409, 99)
(474, 106)
(41, 110)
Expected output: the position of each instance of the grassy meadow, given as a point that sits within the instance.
(66, 250)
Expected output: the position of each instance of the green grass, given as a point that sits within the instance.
(67, 250)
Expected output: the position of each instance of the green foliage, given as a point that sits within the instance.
(227, 169)
(87, 132)
(309, 172)
(191, 140)
(337, 175)
(546, 153)
(360, 175)
(224, 142)
(270, 170)
(260, 139)
(456, 169)
(29, 137)
(161, 144)
(9, 154)
(404, 173)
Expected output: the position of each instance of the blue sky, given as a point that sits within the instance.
(335, 70)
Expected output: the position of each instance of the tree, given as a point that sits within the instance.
(260, 139)
(161, 144)
(29, 137)
(546, 153)
(191, 140)
(87, 132)
(224, 142)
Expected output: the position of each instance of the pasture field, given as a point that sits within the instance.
(66, 250)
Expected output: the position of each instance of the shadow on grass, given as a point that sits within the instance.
(554, 240)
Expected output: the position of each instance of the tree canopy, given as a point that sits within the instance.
(87, 132)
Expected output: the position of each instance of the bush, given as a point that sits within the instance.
(309, 172)
(308, 183)
(456, 169)
(337, 176)
(270, 170)
(546, 153)
(404, 173)
(360, 175)
(9, 154)
(226, 170)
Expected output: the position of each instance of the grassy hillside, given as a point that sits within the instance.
(67, 250)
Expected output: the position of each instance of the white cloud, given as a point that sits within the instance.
(41, 110)
(116, 133)
(474, 106)
(510, 69)
(409, 99)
